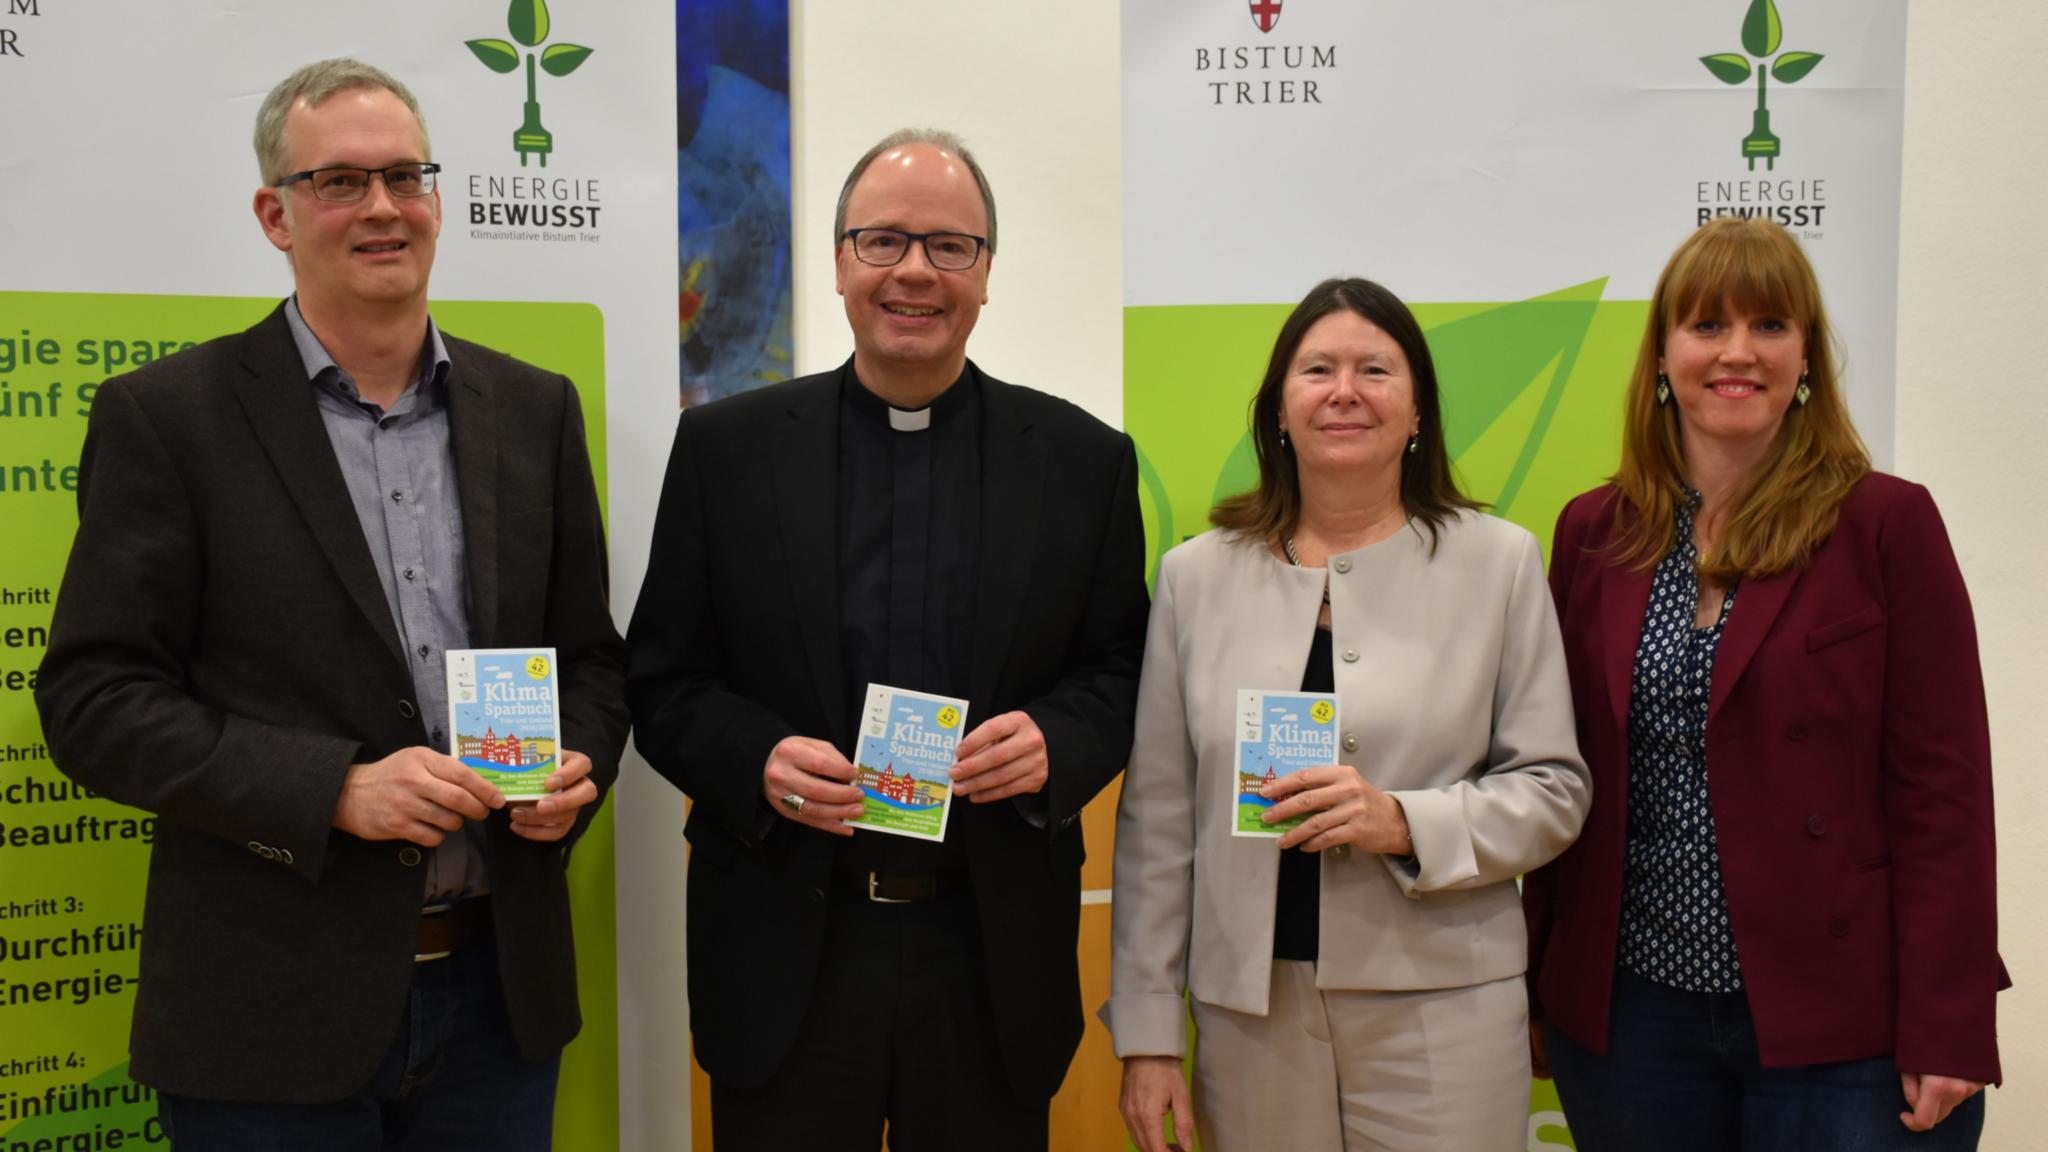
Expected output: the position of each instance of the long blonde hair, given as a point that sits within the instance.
(1788, 506)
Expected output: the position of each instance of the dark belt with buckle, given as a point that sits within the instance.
(899, 887)
(447, 927)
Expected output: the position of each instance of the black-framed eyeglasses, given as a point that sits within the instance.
(946, 251)
(342, 185)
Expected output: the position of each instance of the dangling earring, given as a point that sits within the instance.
(1283, 435)
(1663, 389)
(1414, 443)
(1801, 393)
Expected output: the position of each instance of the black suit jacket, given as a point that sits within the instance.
(222, 652)
(735, 645)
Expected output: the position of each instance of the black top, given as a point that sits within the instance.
(1297, 912)
(909, 523)
(1674, 917)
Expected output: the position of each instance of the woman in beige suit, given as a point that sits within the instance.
(1359, 986)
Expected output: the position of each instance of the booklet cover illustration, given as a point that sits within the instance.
(1277, 733)
(505, 711)
(904, 760)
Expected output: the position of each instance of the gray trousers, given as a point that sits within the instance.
(1445, 1070)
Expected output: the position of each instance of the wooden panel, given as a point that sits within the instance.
(700, 1107)
(1084, 1115)
(1098, 824)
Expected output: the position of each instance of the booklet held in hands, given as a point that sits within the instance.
(505, 716)
(903, 761)
(1277, 733)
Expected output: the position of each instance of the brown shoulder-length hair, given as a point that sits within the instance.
(1428, 491)
(1788, 507)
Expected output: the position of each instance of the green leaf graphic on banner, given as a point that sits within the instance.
(1240, 472)
(1157, 512)
(497, 55)
(1761, 29)
(529, 21)
(1731, 68)
(1488, 362)
(1793, 66)
(563, 59)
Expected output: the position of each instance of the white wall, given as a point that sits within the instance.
(1973, 407)
(1035, 90)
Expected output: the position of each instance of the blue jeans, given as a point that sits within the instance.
(452, 1080)
(1681, 1073)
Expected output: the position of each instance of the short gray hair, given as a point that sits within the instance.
(315, 83)
(934, 137)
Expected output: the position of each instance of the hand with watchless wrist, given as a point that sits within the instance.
(416, 794)
(1932, 1098)
(808, 781)
(551, 817)
(1342, 808)
(1155, 1088)
(1003, 757)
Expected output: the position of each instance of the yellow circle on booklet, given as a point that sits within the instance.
(1320, 712)
(949, 717)
(537, 667)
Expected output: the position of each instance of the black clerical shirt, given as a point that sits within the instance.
(909, 526)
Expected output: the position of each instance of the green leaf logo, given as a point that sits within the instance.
(1761, 29)
(528, 23)
(563, 59)
(497, 55)
(1791, 66)
(1731, 67)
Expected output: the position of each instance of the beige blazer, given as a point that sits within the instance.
(1452, 697)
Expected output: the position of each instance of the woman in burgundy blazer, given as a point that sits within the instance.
(1778, 927)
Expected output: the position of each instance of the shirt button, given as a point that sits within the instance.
(1350, 742)
(1351, 655)
(1342, 565)
(1796, 730)
(1816, 827)
(1838, 927)
(408, 574)
(406, 709)
(439, 736)
(397, 497)
(424, 649)
(408, 856)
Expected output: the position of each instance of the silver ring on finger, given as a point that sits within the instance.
(794, 803)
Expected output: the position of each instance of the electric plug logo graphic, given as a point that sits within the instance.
(1761, 33)
(527, 21)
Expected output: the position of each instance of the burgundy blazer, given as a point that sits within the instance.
(1850, 768)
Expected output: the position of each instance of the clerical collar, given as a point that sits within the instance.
(947, 405)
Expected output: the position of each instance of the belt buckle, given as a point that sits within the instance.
(429, 912)
(880, 899)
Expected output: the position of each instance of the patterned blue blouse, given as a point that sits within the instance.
(1674, 910)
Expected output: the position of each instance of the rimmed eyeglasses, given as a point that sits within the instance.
(342, 185)
(946, 251)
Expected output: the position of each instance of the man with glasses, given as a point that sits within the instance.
(907, 520)
(351, 940)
